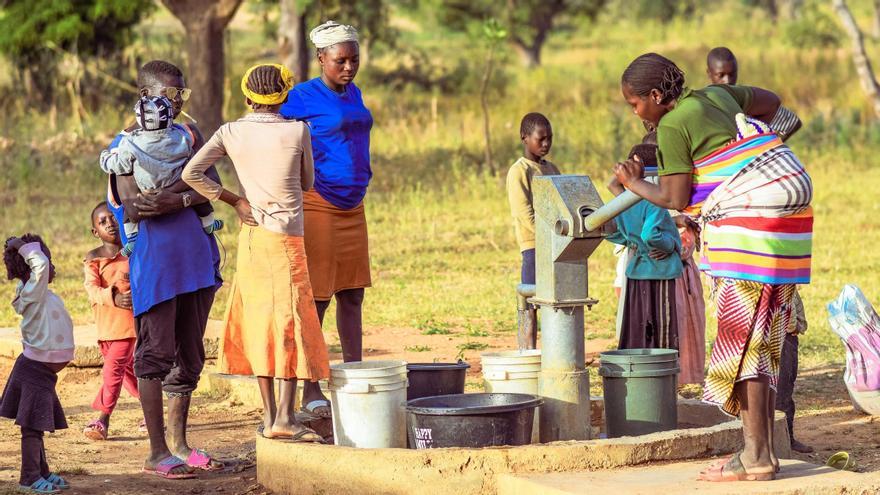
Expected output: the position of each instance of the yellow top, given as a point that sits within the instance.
(519, 195)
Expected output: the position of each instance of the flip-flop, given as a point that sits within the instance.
(59, 482)
(96, 430)
(841, 460)
(167, 465)
(734, 471)
(312, 406)
(41, 486)
(299, 437)
(200, 459)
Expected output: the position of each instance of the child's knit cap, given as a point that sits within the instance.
(154, 113)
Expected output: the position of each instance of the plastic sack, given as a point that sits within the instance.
(857, 324)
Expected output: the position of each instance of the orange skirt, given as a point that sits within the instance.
(336, 246)
(272, 327)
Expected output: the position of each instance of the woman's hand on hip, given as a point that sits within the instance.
(245, 214)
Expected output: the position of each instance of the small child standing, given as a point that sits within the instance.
(155, 153)
(649, 317)
(106, 282)
(47, 335)
(537, 138)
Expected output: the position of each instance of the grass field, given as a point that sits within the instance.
(443, 252)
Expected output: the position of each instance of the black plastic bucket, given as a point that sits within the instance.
(471, 420)
(430, 379)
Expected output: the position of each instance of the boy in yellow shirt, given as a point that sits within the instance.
(537, 138)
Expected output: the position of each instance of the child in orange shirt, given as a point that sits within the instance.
(106, 282)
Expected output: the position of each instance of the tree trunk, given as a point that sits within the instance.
(789, 10)
(484, 102)
(876, 26)
(205, 22)
(293, 48)
(860, 57)
(529, 55)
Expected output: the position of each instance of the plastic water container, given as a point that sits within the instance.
(368, 400)
(513, 372)
(640, 391)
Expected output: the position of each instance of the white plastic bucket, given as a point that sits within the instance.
(368, 401)
(511, 371)
(514, 372)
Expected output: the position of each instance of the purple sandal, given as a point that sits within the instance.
(167, 465)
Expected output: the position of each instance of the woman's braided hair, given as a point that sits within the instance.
(654, 71)
(16, 267)
(265, 80)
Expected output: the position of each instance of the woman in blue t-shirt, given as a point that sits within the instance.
(334, 222)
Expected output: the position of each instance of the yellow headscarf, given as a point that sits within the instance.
(274, 98)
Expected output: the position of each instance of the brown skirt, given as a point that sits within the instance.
(272, 326)
(336, 246)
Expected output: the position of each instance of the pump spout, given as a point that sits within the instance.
(624, 201)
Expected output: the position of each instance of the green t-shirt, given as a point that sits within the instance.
(701, 122)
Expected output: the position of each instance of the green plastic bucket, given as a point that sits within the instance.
(640, 391)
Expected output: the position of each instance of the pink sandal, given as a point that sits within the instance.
(96, 430)
(200, 459)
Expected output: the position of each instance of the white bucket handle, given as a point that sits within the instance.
(495, 375)
(357, 388)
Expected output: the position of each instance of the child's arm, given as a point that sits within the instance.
(34, 290)
(655, 237)
(117, 161)
(97, 294)
(519, 195)
(307, 172)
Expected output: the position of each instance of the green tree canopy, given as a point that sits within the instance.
(528, 22)
(88, 27)
(34, 34)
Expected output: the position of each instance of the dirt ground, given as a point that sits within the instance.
(226, 429)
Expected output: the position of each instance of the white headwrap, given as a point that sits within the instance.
(331, 33)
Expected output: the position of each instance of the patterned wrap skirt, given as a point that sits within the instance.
(752, 321)
(272, 326)
(30, 399)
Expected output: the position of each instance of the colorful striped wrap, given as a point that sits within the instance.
(753, 198)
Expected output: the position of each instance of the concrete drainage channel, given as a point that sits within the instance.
(292, 468)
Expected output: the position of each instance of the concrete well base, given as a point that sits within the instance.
(307, 468)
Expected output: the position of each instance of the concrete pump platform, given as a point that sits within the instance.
(795, 478)
(295, 468)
